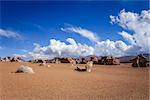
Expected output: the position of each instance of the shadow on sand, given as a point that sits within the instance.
(80, 69)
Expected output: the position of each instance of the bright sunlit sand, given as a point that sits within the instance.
(62, 82)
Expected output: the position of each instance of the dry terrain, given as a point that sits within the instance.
(62, 82)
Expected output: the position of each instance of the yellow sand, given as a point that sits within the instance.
(61, 82)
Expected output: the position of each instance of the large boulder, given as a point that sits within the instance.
(25, 69)
(139, 61)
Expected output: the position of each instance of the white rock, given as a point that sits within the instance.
(24, 69)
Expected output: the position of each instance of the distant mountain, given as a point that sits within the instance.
(126, 59)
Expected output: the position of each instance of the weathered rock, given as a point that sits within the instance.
(25, 69)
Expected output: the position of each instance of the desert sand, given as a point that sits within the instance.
(62, 82)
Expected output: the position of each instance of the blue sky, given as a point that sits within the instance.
(39, 22)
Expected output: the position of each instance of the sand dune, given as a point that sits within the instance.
(61, 82)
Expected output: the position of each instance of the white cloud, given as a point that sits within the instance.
(128, 37)
(138, 24)
(9, 34)
(56, 48)
(83, 32)
(108, 47)
(71, 41)
(115, 48)
(19, 55)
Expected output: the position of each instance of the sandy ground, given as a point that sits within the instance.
(61, 82)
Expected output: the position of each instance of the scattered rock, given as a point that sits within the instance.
(25, 69)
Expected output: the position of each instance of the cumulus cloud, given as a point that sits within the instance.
(138, 24)
(108, 47)
(83, 32)
(9, 34)
(57, 48)
(115, 48)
